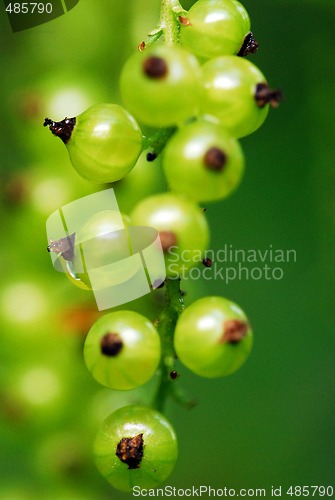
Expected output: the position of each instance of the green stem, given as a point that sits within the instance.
(152, 38)
(169, 25)
(170, 10)
(167, 320)
(157, 141)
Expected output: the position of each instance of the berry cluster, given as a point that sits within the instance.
(189, 100)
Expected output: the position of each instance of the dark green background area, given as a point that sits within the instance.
(271, 423)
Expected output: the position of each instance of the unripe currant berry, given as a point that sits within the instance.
(216, 28)
(122, 350)
(235, 93)
(160, 85)
(136, 445)
(182, 227)
(213, 337)
(203, 162)
(104, 142)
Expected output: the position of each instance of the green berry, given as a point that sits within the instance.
(160, 85)
(215, 28)
(122, 350)
(182, 228)
(213, 337)
(203, 162)
(136, 446)
(104, 142)
(229, 94)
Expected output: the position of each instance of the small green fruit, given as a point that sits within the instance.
(213, 337)
(136, 446)
(104, 142)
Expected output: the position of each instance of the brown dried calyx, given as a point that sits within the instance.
(141, 46)
(168, 240)
(111, 344)
(215, 159)
(264, 95)
(62, 129)
(130, 451)
(64, 246)
(250, 45)
(234, 331)
(184, 21)
(155, 67)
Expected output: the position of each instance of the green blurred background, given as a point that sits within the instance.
(271, 423)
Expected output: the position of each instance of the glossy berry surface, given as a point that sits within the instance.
(136, 445)
(215, 28)
(160, 85)
(203, 162)
(104, 144)
(229, 85)
(213, 337)
(182, 227)
(122, 350)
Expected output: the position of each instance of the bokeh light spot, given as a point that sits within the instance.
(23, 302)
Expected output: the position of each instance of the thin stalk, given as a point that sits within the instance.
(167, 320)
(170, 10)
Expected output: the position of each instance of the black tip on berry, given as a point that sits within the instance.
(151, 156)
(111, 344)
(264, 95)
(62, 129)
(130, 451)
(168, 240)
(215, 159)
(155, 67)
(47, 122)
(234, 331)
(250, 45)
(64, 246)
